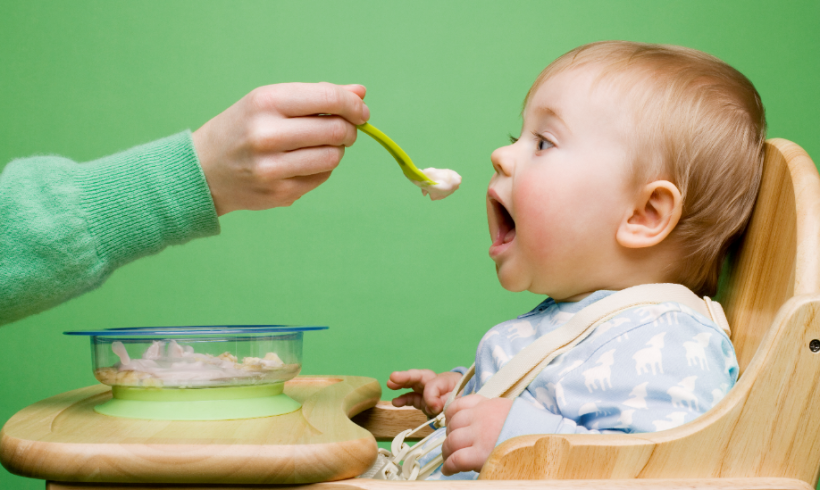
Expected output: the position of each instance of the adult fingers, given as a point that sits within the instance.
(276, 134)
(467, 459)
(304, 99)
(273, 169)
(297, 187)
(271, 193)
(357, 89)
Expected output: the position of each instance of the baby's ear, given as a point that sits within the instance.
(656, 212)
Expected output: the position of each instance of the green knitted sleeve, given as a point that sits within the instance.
(65, 227)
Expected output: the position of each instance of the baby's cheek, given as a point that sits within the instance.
(540, 224)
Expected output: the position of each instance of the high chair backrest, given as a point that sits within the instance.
(779, 255)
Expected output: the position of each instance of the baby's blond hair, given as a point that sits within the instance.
(700, 124)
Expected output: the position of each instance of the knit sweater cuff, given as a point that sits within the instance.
(146, 198)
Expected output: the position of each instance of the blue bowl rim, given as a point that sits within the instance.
(188, 330)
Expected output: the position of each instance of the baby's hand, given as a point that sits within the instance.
(430, 390)
(473, 425)
(277, 143)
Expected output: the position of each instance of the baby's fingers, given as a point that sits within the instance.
(435, 399)
(467, 459)
(434, 404)
(412, 399)
(414, 379)
(463, 403)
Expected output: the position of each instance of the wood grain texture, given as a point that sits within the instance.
(665, 484)
(769, 423)
(767, 256)
(62, 438)
(385, 421)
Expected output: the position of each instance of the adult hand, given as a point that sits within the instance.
(474, 423)
(278, 142)
(430, 390)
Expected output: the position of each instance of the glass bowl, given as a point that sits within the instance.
(177, 369)
(197, 357)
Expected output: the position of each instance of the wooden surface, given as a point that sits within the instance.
(666, 484)
(769, 423)
(385, 421)
(770, 267)
(63, 439)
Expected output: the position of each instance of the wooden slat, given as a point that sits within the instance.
(385, 421)
(766, 256)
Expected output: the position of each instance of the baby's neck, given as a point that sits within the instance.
(574, 298)
(621, 269)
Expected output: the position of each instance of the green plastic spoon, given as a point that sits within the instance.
(410, 171)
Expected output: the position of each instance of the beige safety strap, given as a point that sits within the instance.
(717, 315)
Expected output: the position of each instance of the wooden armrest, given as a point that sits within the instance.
(569, 456)
(385, 421)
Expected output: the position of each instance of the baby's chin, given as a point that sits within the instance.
(510, 279)
(516, 282)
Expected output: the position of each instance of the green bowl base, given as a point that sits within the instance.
(244, 402)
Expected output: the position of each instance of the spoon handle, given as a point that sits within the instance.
(406, 164)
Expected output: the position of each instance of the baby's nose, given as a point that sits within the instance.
(502, 160)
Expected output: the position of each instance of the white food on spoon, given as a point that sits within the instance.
(447, 181)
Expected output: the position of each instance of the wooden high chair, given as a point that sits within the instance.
(765, 434)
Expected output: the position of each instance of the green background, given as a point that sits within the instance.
(402, 282)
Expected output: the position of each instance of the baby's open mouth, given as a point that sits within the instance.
(505, 223)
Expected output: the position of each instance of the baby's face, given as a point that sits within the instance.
(561, 190)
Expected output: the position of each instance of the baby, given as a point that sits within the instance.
(636, 164)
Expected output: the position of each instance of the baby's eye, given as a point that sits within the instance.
(544, 144)
(513, 139)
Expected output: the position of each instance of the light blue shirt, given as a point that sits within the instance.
(645, 370)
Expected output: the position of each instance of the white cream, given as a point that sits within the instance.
(447, 181)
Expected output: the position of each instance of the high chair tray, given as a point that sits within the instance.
(62, 438)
